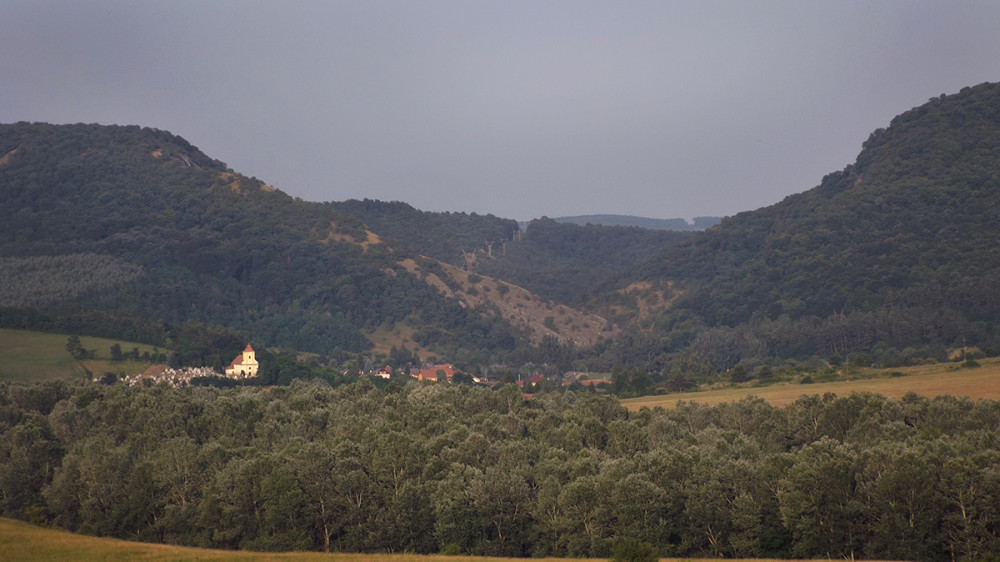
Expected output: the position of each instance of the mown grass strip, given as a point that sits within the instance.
(927, 380)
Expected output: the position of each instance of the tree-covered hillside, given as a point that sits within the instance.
(560, 261)
(441, 236)
(565, 261)
(896, 251)
(135, 222)
(893, 257)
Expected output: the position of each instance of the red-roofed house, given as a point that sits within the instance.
(431, 374)
(244, 365)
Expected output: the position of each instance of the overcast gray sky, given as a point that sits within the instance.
(516, 108)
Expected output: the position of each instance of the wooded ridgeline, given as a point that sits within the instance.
(431, 468)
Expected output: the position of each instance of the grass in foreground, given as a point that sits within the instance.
(23, 542)
(27, 356)
(926, 380)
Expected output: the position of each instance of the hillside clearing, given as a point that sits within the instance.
(27, 356)
(399, 335)
(926, 380)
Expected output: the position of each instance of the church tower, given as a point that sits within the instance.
(250, 364)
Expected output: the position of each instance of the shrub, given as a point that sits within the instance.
(633, 550)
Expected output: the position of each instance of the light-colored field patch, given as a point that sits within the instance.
(926, 380)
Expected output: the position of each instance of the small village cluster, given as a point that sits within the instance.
(245, 366)
(433, 373)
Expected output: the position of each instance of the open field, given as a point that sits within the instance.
(21, 541)
(27, 356)
(926, 380)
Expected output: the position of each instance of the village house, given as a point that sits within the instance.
(432, 373)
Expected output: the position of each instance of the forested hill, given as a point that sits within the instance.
(898, 249)
(137, 223)
(563, 262)
(441, 236)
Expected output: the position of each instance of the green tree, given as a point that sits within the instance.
(75, 348)
(632, 550)
(638, 509)
(819, 501)
(906, 495)
(738, 373)
(73, 344)
(582, 521)
(29, 453)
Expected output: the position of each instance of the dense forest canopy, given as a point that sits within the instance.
(449, 468)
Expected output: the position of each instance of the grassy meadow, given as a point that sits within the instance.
(926, 380)
(27, 356)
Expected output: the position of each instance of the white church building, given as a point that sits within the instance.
(244, 365)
